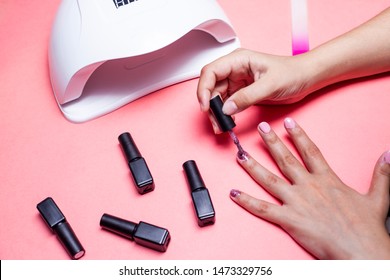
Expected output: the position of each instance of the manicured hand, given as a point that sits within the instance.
(325, 216)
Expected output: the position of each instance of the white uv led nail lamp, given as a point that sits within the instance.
(104, 54)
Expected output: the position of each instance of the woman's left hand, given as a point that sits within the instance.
(324, 215)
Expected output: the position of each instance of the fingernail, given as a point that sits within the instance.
(289, 123)
(204, 100)
(386, 157)
(234, 193)
(202, 107)
(229, 108)
(242, 156)
(214, 126)
(264, 127)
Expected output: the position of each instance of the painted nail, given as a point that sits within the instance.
(386, 157)
(202, 107)
(215, 126)
(242, 156)
(289, 123)
(264, 127)
(229, 108)
(234, 193)
(205, 96)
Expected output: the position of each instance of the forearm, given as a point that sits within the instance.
(363, 51)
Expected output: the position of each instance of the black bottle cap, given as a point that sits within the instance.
(119, 226)
(153, 237)
(225, 122)
(58, 224)
(203, 207)
(193, 175)
(141, 174)
(50, 213)
(129, 147)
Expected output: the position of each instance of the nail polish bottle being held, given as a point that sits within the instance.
(225, 122)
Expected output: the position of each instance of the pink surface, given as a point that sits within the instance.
(82, 167)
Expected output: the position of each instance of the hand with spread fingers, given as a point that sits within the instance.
(326, 217)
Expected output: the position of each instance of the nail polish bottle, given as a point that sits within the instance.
(145, 234)
(225, 122)
(200, 195)
(139, 169)
(59, 225)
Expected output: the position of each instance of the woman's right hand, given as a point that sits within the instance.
(244, 78)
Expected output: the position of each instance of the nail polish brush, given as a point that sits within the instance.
(225, 122)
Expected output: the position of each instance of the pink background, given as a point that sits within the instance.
(82, 167)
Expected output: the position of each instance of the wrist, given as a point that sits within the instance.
(318, 71)
(311, 73)
(368, 246)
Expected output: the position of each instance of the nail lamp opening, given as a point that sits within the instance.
(104, 54)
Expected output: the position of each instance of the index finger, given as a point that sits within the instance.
(210, 75)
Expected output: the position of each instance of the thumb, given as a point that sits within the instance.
(379, 189)
(244, 98)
